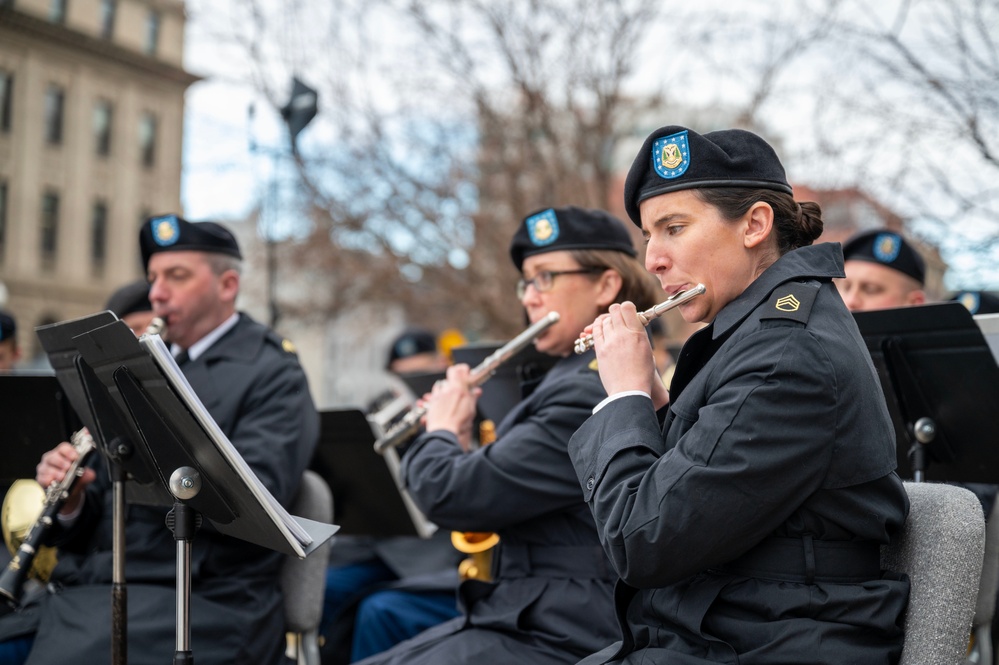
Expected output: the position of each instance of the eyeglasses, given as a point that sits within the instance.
(545, 280)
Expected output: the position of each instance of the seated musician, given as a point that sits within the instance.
(130, 303)
(10, 352)
(744, 512)
(253, 386)
(550, 598)
(882, 270)
(383, 590)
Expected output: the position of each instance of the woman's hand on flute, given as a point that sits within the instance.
(451, 405)
(624, 354)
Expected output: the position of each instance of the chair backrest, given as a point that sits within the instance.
(940, 549)
(303, 581)
(988, 590)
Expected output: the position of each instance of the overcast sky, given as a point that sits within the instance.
(229, 156)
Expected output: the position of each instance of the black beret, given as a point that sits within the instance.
(411, 342)
(887, 248)
(8, 326)
(556, 229)
(978, 302)
(129, 299)
(675, 158)
(171, 233)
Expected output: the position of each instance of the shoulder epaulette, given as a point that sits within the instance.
(280, 342)
(791, 300)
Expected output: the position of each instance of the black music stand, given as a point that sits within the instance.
(420, 383)
(36, 415)
(941, 383)
(115, 439)
(188, 454)
(368, 497)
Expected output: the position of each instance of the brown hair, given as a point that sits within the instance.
(636, 284)
(797, 224)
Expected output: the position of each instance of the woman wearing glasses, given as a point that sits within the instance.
(551, 598)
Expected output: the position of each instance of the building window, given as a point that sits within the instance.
(57, 11)
(6, 99)
(107, 18)
(102, 127)
(49, 229)
(54, 97)
(147, 138)
(3, 219)
(152, 32)
(98, 236)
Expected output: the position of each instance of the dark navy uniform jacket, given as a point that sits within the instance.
(551, 601)
(747, 529)
(257, 393)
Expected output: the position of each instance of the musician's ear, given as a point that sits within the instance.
(608, 286)
(915, 297)
(228, 286)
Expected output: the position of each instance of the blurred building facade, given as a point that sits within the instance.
(91, 125)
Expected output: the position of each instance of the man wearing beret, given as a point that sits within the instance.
(9, 351)
(130, 303)
(251, 382)
(882, 270)
(978, 302)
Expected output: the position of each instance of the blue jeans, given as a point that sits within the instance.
(345, 583)
(388, 617)
(15, 651)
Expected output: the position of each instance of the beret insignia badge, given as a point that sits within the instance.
(543, 228)
(972, 301)
(887, 247)
(165, 230)
(671, 155)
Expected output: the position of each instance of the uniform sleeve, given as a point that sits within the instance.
(523, 474)
(277, 427)
(753, 446)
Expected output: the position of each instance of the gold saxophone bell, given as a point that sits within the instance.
(477, 544)
(22, 507)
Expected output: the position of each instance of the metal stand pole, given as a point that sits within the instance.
(119, 592)
(185, 483)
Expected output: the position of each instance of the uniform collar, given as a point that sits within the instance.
(823, 261)
(205, 343)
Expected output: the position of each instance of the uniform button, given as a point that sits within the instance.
(590, 483)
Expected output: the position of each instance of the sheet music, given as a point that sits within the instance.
(164, 359)
(989, 325)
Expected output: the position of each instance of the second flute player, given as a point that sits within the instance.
(550, 600)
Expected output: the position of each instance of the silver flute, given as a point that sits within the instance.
(584, 344)
(404, 430)
(156, 327)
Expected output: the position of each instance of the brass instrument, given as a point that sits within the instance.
(477, 544)
(25, 545)
(584, 344)
(406, 428)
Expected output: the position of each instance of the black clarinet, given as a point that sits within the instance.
(14, 575)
